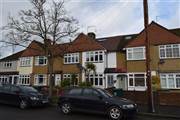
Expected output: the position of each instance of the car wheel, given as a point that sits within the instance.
(23, 104)
(115, 113)
(66, 108)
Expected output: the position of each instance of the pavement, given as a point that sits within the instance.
(162, 110)
(51, 113)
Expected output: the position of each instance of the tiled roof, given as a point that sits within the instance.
(34, 49)
(157, 35)
(115, 43)
(176, 31)
(82, 43)
(12, 57)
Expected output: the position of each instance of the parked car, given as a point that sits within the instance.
(22, 96)
(96, 100)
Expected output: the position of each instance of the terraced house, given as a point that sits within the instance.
(116, 56)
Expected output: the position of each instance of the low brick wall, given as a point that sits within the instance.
(166, 97)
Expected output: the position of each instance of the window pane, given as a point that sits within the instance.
(176, 51)
(168, 51)
(178, 81)
(131, 82)
(171, 81)
(162, 53)
(75, 92)
(163, 82)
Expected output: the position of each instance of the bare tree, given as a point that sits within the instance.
(43, 22)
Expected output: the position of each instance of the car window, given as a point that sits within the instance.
(1, 87)
(75, 92)
(14, 89)
(90, 92)
(6, 88)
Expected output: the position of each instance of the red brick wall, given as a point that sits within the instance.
(170, 97)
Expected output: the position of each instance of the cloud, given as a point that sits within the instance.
(110, 17)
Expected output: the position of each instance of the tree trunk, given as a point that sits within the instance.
(51, 77)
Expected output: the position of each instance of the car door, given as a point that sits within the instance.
(1, 94)
(93, 101)
(5, 94)
(14, 95)
(75, 98)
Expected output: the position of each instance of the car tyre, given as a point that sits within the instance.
(66, 108)
(115, 113)
(23, 104)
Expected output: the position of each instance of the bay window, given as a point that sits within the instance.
(169, 51)
(136, 53)
(170, 80)
(95, 80)
(40, 80)
(24, 80)
(136, 80)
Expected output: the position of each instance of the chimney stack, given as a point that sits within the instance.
(91, 32)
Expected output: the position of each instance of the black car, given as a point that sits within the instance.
(96, 100)
(22, 96)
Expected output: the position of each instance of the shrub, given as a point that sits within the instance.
(65, 83)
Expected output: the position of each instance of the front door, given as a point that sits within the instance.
(57, 79)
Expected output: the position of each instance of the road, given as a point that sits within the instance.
(51, 113)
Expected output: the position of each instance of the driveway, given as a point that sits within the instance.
(51, 113)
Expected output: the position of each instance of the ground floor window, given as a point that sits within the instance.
(74, 78)
(40, 80)
(95, 79)
(136, 80)
(170, 80)
(4, 79)
(24, 80)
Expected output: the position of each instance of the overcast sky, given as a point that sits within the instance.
(109, 17)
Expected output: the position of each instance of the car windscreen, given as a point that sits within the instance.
(28, 89)
(105, 93)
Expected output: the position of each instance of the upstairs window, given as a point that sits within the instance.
(71, 58)
(136, 53)
(25, 61)
(7, 64)
(169, 51)
(95, 56)
(40, 60)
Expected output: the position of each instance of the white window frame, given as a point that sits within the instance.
(38, 58)
(69, 76)
(25, 61)
(36, 80)
(164, 47)
(93, 55)
(131, 51)
(8, 64)
(71, 58)
(133, 87)
(98, 76)
(165, 76)
(4, 79)
(24, 79)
